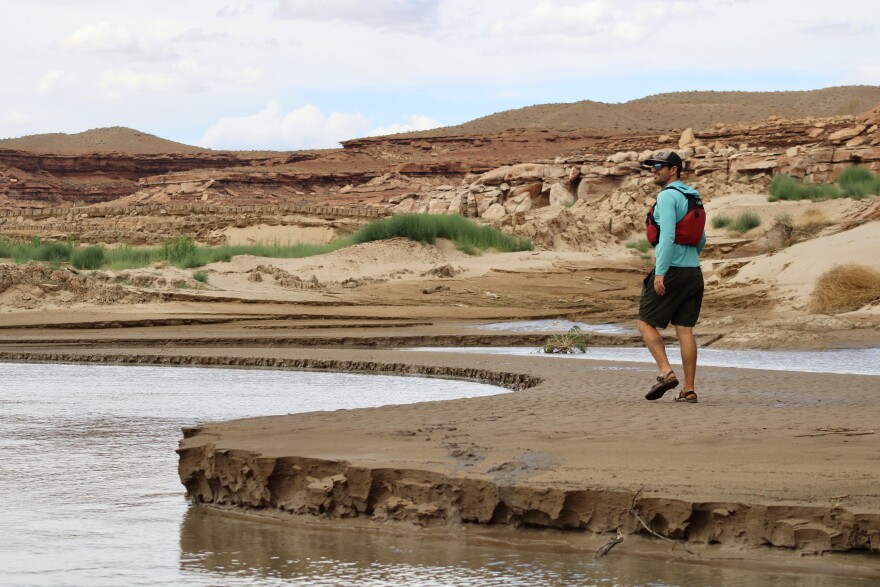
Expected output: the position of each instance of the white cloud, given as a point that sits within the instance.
(413, 123)
(51, 81)
(200, 35)
(105, 38)
(840, 29)
(549, 16)
(183, 76)
(272, 128)
(118, 83)
(380, 13)
(229, 10)
(598, 24)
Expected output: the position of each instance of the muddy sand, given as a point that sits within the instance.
(768, 463)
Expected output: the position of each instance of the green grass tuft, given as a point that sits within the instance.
(745, 222)
(721, 221)
(854, 182)
(858, 182)
(52, 251)
(200, 276)
(641, 245)
(427, 228)
(784, 187)
(87, 257)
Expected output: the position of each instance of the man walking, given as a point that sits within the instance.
(673, 290)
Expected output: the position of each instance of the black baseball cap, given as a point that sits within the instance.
(666, 157)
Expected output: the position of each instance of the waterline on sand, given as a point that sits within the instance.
(845, 361)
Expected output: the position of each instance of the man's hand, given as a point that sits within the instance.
(659, 287)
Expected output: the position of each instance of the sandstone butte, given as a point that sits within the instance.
(770, 466)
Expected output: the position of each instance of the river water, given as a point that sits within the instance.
(850, 361)
(91, 494)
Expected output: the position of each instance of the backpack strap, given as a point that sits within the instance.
(679, 190)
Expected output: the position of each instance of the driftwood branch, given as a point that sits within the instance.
(606, 548)
(837, 431)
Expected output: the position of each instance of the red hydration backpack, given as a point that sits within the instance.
(688, 230)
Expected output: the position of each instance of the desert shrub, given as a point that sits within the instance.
(128, 257)
(812, 216)
(721, 221)
(811, 221)
(745, 222)
(784, 220)
(87, 257)
(572, 341)
(784, 187)
(845, 288)
(858, 182)
(179, 251)
(427, 228)
(641, 245)
(52, 251)
(200, 276)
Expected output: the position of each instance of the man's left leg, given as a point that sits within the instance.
(688, 345)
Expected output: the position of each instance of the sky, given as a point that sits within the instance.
(303, 74)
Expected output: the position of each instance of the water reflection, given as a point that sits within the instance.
(215, 547)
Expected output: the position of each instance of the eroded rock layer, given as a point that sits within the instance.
(338, 489)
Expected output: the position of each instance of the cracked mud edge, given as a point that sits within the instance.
(512, 381)
(299, 485)
(338, 489)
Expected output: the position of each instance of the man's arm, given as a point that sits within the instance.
(702, 243)
(663, 252)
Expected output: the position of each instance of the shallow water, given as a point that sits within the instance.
(556, 325)
(851, 361)
(92, 495)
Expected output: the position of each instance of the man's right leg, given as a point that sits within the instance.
(667, 379)
(654, 309)
(654, 341)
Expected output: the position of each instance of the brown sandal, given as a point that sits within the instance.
(664, 384)
(689, 396)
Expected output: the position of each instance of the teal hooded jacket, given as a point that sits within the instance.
(670, 209)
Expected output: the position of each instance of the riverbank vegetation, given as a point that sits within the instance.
(742, 223)
(844, 288)
(853, 182)
(185, 253)
(575, 340)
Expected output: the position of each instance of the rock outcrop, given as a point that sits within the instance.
(563, 189)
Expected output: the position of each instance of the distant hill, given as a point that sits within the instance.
(653, 114)
(662, 112)
(116, 139)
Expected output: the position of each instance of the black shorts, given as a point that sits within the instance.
(681, 303)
